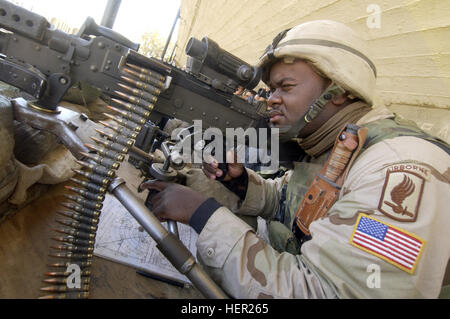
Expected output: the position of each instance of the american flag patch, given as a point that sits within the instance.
(392, 244)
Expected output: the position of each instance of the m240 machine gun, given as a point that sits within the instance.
(45, 63)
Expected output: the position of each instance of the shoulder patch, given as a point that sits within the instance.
(401, 195)
(392, 244)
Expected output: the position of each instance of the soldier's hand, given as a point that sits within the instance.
(174, 202)
(235, 169)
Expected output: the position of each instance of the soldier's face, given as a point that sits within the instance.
(294, 87)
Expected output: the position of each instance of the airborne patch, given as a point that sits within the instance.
(401, 196)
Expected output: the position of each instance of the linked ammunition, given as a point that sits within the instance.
(115, 156)
(97, 169)
(145, 78)
(90, 186)
(81, 264)
(71, 256)
(80, 218)
(128, 124)
(135, 109)
(66, 274)
(86, 194)
(69, 295)
(64, 288)
(141, 153)
(77, 225)
(84, 202)
(117, 138)
(139, 93)
(146, 105)
(141, 85)
(76, 233)
(148, 72)
(74, 249)
(74, 241)
(129, 115)
(61, 281)
(121, 130)
(105, 162)
(112, 146)
(98, 179)
(76, 245)
(91, 213)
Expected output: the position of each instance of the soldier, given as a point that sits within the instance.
(382, 232)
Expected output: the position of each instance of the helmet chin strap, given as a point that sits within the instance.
(289, 132)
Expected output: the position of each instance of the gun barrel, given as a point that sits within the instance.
(12, 17)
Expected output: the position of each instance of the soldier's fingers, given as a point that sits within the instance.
(210, 160)
(211, 169)
(156, 199)
(219, 173)
(159, 212)
(209, 174)
(155, 184)
(231, 157)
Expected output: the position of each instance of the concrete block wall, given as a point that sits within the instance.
(411, 47)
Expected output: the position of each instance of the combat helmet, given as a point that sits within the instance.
(335, 51)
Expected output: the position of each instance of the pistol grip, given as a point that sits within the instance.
(148, 200)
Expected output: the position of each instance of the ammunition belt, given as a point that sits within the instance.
(77, 230)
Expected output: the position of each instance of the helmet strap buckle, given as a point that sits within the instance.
(314, 110)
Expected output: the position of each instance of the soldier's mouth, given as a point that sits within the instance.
(275, 116)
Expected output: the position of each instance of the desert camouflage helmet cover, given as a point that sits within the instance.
(332, 48)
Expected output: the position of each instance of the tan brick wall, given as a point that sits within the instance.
(411, 48)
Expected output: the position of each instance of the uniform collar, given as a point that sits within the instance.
(323, 139)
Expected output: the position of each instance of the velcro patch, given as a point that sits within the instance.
(392, 244)
(401, 196)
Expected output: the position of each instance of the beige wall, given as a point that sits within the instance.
(411, 48)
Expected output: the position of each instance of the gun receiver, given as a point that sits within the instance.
(46, 62)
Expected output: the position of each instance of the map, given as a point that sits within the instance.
(121, 239)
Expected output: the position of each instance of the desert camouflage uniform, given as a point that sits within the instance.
(328, 266)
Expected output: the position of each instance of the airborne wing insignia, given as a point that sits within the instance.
(401, 195)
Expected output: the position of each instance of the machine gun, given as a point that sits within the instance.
(45, 63)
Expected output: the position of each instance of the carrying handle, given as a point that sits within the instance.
(89, 27)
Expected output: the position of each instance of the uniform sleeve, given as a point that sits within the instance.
(263, 195)
(330, 266)
(246, 267)
(387, 235)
